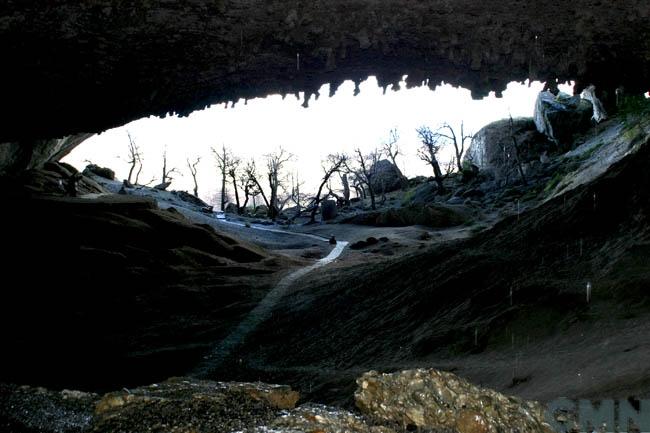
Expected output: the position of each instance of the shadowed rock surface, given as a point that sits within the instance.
(113, 283)
(85, 67)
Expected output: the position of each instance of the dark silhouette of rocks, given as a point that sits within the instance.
(329, 211)
(117, 64)
(104, 172)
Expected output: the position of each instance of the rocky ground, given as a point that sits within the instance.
(426, 400)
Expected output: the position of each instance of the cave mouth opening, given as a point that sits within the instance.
(355, 116)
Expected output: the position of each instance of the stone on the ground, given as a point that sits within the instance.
(432, 399)
(104, 172)
(492, 149)
(184, 405)
(328, 210)
(315, 418)
(386, 177)
(162, 186)
(189, 198)
(261, 211)
(29, 409)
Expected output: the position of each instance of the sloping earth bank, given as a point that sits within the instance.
(114, 291)
(509, 308)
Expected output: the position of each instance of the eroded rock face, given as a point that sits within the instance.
(492, 148)
(434, 399)
(79, 66)
(184, 405)
(33, 154)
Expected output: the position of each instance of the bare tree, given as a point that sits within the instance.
(166, 173)
(252, 184)
(458, 141)
(346, 189)
(275, 162)
(391, 147)
(431, 143)
(223, 156)
(392, 150)
(331, 165)
(193, 170)
(233, 170)
(365, 171)
(357, 185)
(297, 197)
(517, 151)
(134, 159)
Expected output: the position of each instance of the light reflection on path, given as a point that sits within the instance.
(220, 352)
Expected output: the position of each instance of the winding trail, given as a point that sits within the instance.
(222, 350)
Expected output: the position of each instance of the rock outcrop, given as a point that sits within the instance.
(183, 404)
(493, 150)
(561, 117)
(432, 399)
(78, 66)
(423, 399)
(328, 210)
(176, 405)
(386, 177)
(104, 172)
(22, 155)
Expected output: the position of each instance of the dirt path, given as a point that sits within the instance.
(222, 350)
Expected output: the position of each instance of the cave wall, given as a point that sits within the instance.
(73, 66)
(17, 156)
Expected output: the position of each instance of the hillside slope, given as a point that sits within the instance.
(111, 290)
(508, 307)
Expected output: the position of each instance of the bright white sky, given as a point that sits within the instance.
(329, 125)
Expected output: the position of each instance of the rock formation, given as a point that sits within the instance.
(493, 150)
(390, 403)
(386, 177)
(329, 210)
(27, 154)
(437, 400)
(561, 117)
(84, 67)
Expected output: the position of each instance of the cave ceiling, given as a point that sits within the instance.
(73, 66)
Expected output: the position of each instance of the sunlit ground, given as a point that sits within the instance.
(337, 124)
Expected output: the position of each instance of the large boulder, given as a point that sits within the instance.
(231, 208)
(104, 172)
(441, 401)
(261, 211)
(190, 198)
(492, 148)
(386, 177)
(328, 210)
(561, 117)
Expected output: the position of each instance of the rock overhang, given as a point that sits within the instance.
(87, 66)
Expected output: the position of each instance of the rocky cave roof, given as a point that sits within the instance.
(72, 66)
